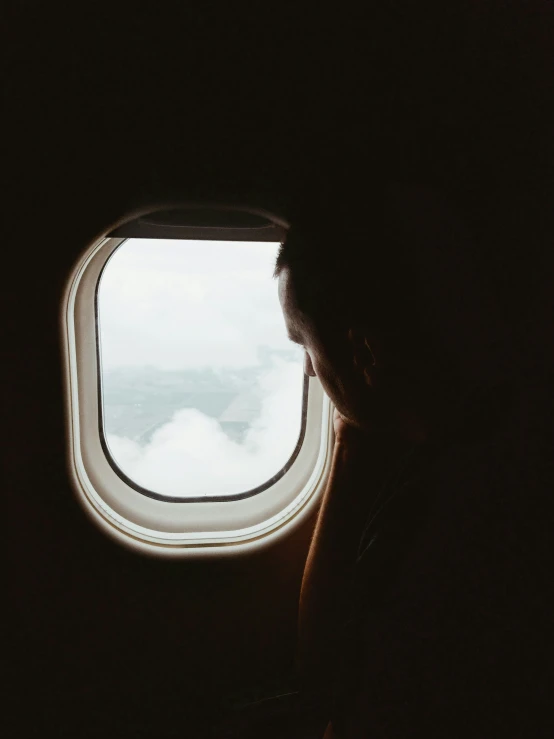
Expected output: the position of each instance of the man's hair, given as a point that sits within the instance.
(349, 272)
(413, 269)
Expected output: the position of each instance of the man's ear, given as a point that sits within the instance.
(363, 350)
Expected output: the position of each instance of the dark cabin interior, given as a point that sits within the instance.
(112, 108)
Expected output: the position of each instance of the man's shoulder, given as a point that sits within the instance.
(459, 622)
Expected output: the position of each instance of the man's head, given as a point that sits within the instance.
(371, 315)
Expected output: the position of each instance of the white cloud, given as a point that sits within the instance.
(178, 305)
(189, 304)
(191, 455)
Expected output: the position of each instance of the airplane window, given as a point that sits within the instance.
(202, 394)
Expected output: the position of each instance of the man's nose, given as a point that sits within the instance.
(308, 366)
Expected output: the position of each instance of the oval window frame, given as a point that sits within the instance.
(166, 527)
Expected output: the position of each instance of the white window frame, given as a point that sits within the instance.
(193, 528)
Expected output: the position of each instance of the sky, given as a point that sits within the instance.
(177, 305)
(189, 304)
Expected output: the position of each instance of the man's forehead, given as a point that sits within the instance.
(287, 296)
(286, 293)
(307, 298)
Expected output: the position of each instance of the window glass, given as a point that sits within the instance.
(201, 391)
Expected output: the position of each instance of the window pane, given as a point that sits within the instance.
(201, 389)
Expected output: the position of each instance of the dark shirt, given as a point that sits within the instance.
(449, 631)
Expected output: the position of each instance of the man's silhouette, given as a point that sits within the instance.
(423, 602)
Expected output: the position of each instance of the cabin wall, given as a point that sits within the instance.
(105, 641)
